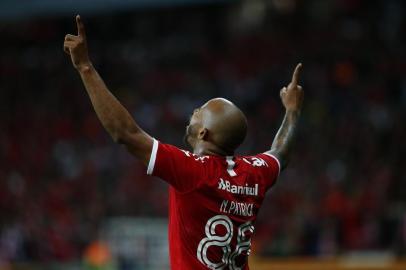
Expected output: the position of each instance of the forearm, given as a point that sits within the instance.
(282, 144)
(114, 117)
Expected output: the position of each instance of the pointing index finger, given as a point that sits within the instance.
(80, 26)
(296, 73)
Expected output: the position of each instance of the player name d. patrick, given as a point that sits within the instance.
(235, 189)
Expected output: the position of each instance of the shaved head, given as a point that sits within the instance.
(217, 127)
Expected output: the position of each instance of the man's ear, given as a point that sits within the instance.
(203, 134)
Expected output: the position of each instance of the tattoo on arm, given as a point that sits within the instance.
(292, 99)
(283, 141)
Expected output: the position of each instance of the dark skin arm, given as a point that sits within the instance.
(292, 99)
(113, 116)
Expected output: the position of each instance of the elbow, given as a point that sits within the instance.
(125, 137)
(121, 134)
(118, 136)
(117, 139)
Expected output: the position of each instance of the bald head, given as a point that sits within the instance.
(218, 123)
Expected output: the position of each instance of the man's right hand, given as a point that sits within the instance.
(76, 47)
(292, 99)
(292, 96)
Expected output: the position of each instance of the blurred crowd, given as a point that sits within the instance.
(61, 175)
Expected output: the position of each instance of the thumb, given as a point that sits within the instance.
(283, 91)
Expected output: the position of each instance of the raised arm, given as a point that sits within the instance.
(114, 117)
(292, 99)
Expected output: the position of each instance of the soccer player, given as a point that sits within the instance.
(214, 196)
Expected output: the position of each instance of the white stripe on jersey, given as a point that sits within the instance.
(230, 167)
(151, 163)
(277, 161)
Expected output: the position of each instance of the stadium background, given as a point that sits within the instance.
(72, 199)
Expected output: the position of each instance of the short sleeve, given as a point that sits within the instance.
(181, 169)
(271, 167)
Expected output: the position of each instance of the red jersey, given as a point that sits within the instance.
(213, 205)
